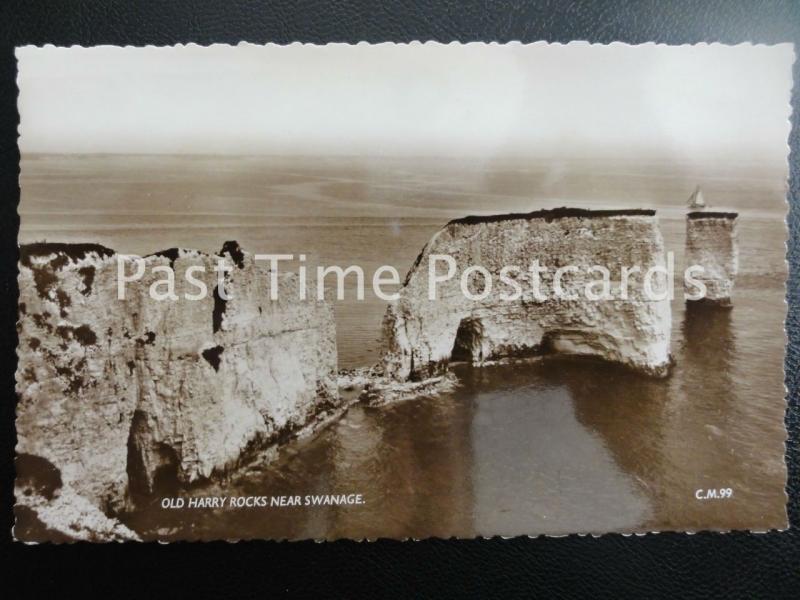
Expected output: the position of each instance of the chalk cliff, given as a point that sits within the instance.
(423, 335)
(120, 399)
(711, 243)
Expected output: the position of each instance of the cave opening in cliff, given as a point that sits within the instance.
(468, 345)
(152, 468)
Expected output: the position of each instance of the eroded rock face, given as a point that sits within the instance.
(423, 335)
(711, 243)
(130, 397)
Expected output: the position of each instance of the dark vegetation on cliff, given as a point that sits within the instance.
(233, 249)
(712, 215)
(65, 251)
(170, 253)
(218, 311)
(213, 356)
(44, 277)
(552, 214)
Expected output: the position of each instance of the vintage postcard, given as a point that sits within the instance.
(401, 291)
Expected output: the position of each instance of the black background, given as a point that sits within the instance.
(702, 565)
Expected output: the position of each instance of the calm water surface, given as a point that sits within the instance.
(551, 447)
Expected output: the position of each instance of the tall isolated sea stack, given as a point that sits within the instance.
(120, 399)
(711, 243)
(423, 335)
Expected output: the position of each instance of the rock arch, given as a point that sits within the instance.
(468, 343)
(420, 334)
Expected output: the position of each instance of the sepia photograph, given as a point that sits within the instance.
(401, 290)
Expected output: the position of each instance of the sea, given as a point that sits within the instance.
(553, 447)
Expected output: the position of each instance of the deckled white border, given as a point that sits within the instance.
(514, 43)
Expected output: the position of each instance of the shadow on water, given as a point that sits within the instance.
(579, 445)
(686, 433)
(659, 431)
(537, 468)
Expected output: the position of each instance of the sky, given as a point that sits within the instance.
(577, 100)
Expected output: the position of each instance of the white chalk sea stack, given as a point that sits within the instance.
(711, 243)
(119, 398)
(423, 335)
